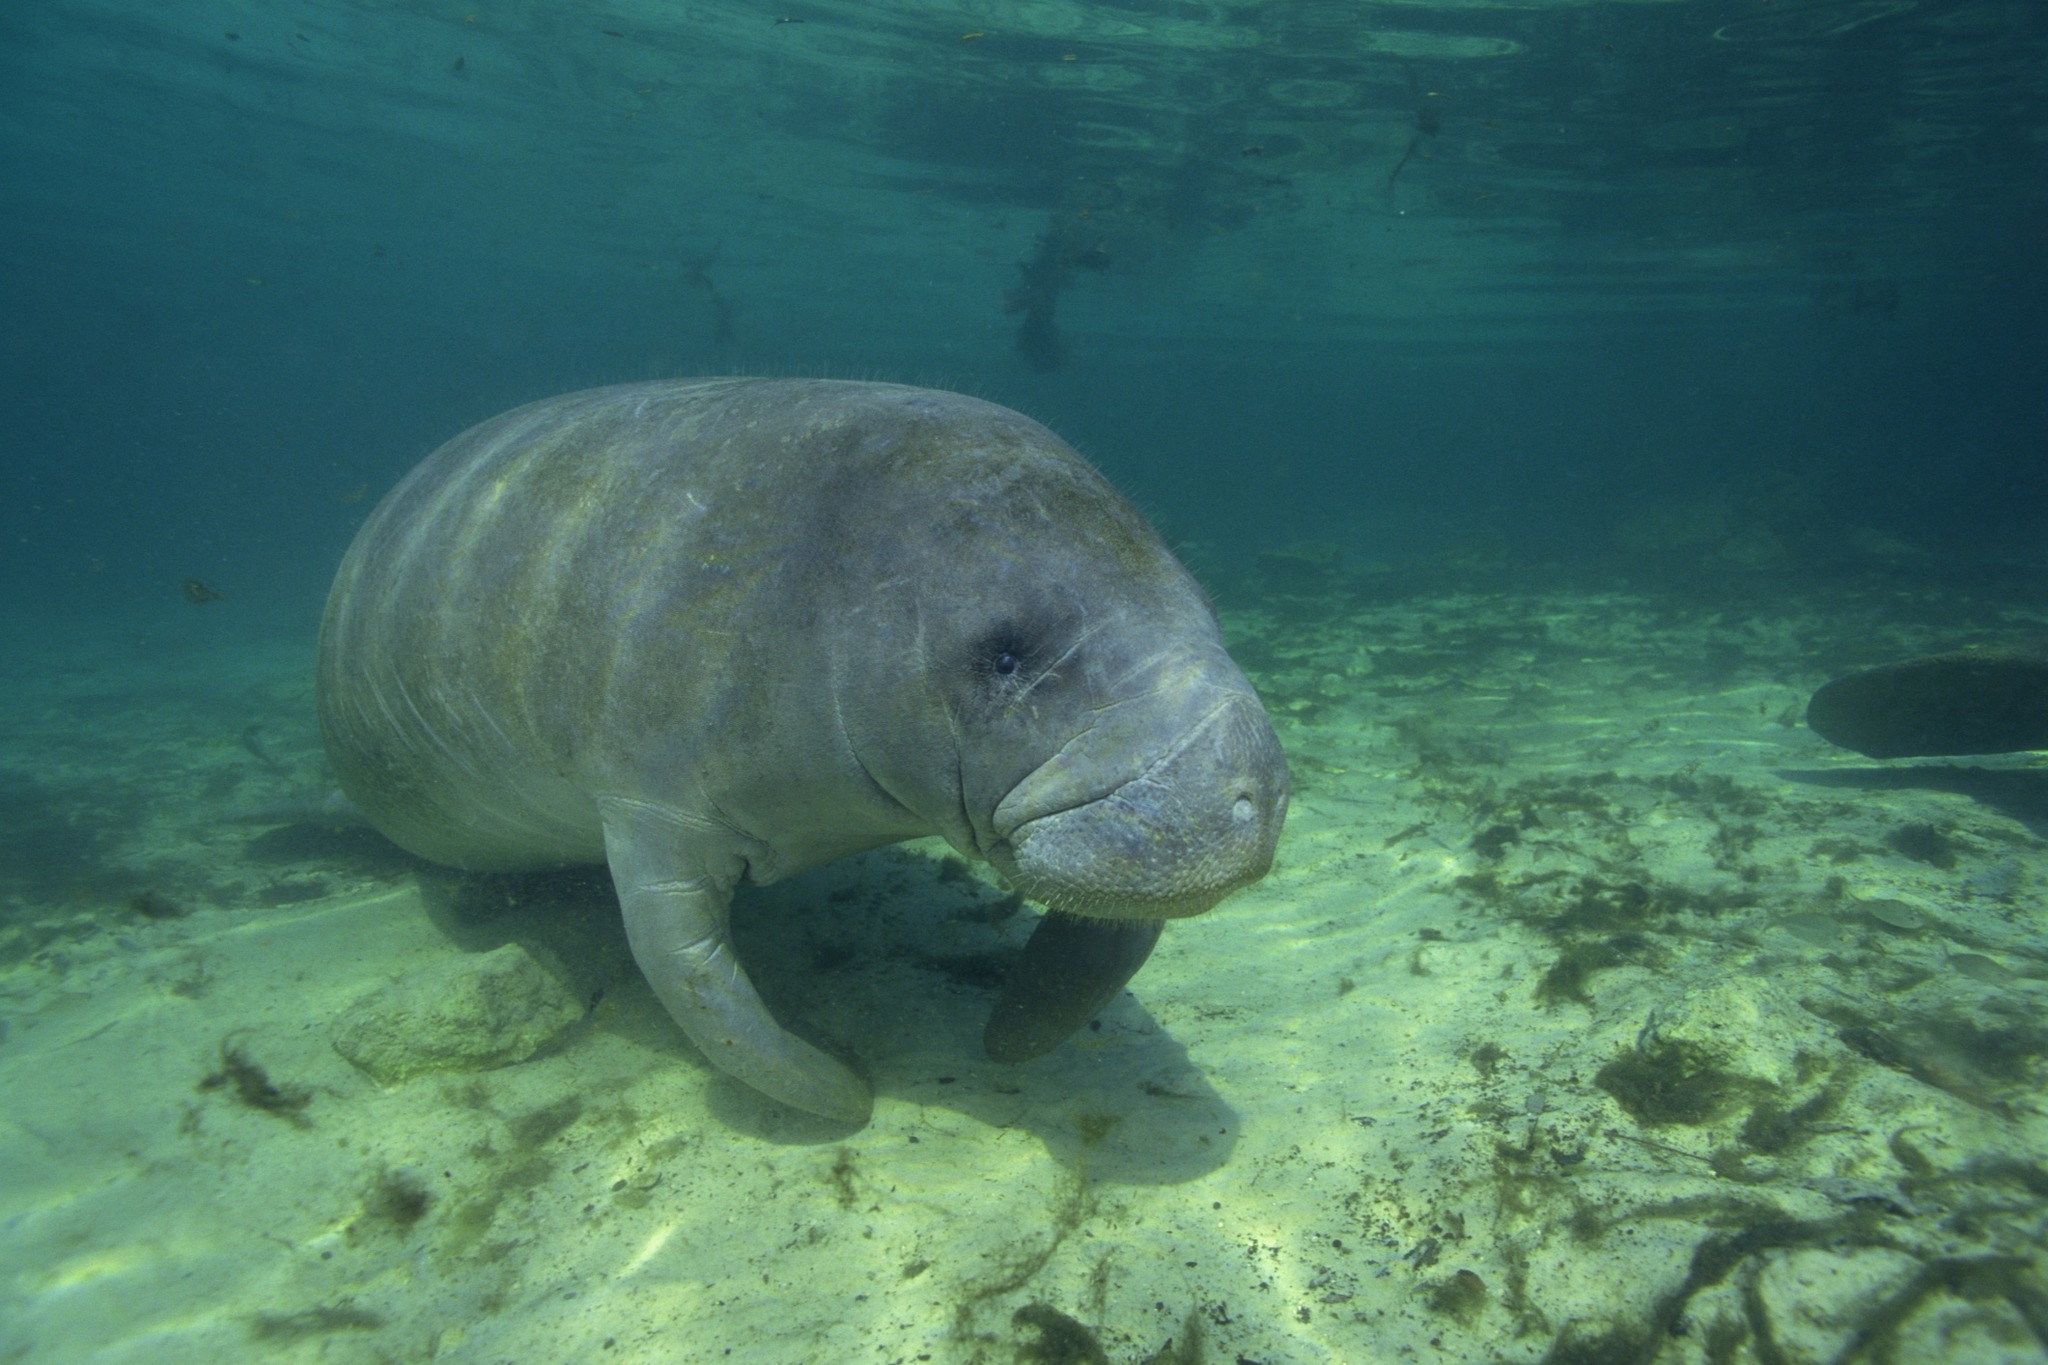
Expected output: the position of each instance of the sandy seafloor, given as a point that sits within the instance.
(1595, 1011)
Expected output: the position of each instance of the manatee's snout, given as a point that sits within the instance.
(1086, 835)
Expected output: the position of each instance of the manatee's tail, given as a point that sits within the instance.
(1070, 969)
(1976, 702)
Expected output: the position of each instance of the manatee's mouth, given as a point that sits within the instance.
(1082, 835)
(1113, 859)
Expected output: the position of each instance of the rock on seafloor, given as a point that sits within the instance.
(469, 1014)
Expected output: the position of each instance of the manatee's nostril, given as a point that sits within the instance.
(1244, 811)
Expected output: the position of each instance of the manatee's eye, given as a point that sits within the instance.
(1003, 657)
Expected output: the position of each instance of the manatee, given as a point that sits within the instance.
(715, 631)
(1991, 701)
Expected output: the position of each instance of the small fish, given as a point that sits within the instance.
(198, 594)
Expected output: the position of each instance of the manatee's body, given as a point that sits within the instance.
(713, 631)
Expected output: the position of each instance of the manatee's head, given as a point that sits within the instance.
(1158, 788)
(1066, 709)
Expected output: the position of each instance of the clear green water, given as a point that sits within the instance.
(1551, 396)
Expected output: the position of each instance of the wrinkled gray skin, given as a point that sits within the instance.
(724, 630)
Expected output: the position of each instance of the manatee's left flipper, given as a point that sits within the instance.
(1977, 702)
(1069, 970)
(676, 921)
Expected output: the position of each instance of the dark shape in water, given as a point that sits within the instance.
(198, 594)
(1062, 248)
(697, 272)
(1977, 702)
(154, 904)
(1429, 121)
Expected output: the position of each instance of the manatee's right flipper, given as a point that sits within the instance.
(1989, 702)
(1070, 968)
(676, 922)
